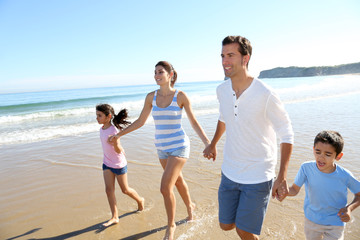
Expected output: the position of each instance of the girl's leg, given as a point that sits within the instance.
(171, 174)
(183, 190)
(123, 183)
(109, 179)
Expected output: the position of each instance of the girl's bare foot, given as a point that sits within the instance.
(141, 204)
(170, 232)
(190, 211)
(111, 222)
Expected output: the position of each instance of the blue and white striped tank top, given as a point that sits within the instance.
(169, 134)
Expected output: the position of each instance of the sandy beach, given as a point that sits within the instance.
(56, 191)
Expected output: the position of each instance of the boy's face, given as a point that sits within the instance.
(325, 157)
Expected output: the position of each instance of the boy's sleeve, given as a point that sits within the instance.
(353, 184)
(300, 176)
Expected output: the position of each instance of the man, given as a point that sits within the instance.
(253, 117)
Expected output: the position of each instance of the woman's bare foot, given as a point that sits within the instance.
(141, 204)
(170, 232)
(190, 211)
(111, 222)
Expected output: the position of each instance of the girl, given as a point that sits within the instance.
(171, 141)
(114, 162)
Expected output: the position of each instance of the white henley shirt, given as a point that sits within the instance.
(253, 122)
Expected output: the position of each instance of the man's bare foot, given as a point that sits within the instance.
(190, 211)
(141, 204)
(111, 222)
(170, 232)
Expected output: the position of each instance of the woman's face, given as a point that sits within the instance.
(162, 76)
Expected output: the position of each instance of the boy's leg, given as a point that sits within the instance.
(334, 233)
(313, 231)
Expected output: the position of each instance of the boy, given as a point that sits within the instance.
(326, 185)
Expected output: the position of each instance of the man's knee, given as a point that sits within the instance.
(227, 227)
(246, 235)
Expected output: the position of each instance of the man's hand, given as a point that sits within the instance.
(280, 189)
(210, 152)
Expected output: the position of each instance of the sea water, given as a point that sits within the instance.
(38, 116)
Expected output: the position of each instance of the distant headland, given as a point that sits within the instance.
(310, 71)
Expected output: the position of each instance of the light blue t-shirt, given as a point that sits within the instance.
(326, 193)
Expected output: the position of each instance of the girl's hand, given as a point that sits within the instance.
(112, 139)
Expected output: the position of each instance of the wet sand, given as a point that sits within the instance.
(55, 190)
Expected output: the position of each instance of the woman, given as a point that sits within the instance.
(171, 141)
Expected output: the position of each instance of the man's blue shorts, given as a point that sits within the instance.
(243, 204)
(116, 171)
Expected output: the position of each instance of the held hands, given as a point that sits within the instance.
(344, 214)
(280, 189)
(210, 152)
(112, 139)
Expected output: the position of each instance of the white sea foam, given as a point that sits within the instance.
(46, 133)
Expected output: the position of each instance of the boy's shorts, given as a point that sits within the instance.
(116, 171)
(243, 204)
(182, 153)
(314, 231)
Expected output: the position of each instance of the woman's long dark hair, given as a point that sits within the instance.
(119, 120)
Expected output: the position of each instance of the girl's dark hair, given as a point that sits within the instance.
(169, 68)
(119, 120)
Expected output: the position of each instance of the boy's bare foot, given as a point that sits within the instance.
(141, 204)
(170, 232)
(111, 222)
(190, 211)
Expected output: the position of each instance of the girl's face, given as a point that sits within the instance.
(102, 118)
(162, 76)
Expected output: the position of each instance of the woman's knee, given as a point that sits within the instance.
(165, 190)
(180, 181)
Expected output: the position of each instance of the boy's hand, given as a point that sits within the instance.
(344, 214)
(280, 189)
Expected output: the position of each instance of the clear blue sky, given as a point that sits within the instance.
(60, 44)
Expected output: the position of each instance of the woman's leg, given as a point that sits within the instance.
(109, 179)
(183, 190)
(123, 183)
(171, 173)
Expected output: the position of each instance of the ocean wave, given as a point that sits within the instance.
(134, 107)
(46, 133)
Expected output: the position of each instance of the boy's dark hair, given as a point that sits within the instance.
(331, 137)
(245, 47)
(169, 68)
(119, 120)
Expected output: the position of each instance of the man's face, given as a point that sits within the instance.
(232, 60)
